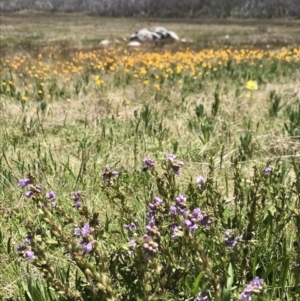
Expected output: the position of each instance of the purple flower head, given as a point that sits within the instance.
(268, 170)
(27, 240)
(29, 194)
(132, 244)
(76, 195)
(149, 163)
(173, 210)
(24, 182)
(150, 246)
(180, 199)
(50, 195)
(21, 248)
(108, 174)
(150, 214)
(77, 231)
(200, 182)
(255, 286)
(199, 297)
(131, 227)
(197, 214)
(38, 188)
(87, 247)
(175, 231)
(29, 255)
(176, 166)
(245, 296)
(152, 229)
(156, 203)
(230, 240)
(192, 226)
(205, 221)
(78, 204)
(86, 230)
(171, 157)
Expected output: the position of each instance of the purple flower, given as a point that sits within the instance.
(175, 231)
(150, 246)
(131, 227)
(29, 255)
(197, 214)
(27, 240)
(230, 240)
(86, 230)
(77, 231)
(150, 214)
(108, 174)
(205, 221)
(171, 157)
(76, 195)
(192, 226)
(156, 203)
(268, 170)
(132, 244)
(38, 188)
(29, 194)
(87, 247)
(151, 228)
(21, 248)
(173, 210)
(176, 166)
(180, 199)
(255, 286)
(199, 297)
(24, 182)
(149, 163)
(50, 195)
(78, 204)
(200, 182)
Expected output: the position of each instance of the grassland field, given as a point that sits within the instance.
(226, 102)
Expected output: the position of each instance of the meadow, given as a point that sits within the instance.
(152, 173)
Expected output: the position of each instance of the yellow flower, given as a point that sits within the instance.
(24, 98)
(68, 100)
(40, 92)
(146, 82)
(30, 86)
(248, 95)
(156, 86)
(251, 85)
(11, 83)
(126, 103)
(48, 96)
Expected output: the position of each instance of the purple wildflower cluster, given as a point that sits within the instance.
(268, 170)
(76, 199)
(51, 197)
(255, 286)
(231, 240)
(176, 165)
(149, 163)
(85, 231)
(200, 297)
(32, 189)
(200, 182)
(24, 249)
(131, 228)
(192, 220)
(152, 231)
(108, 175)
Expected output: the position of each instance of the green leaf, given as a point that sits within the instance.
(196, 283)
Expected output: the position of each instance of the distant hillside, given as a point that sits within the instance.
(166, 8)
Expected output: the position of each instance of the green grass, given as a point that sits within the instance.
(208, 121)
